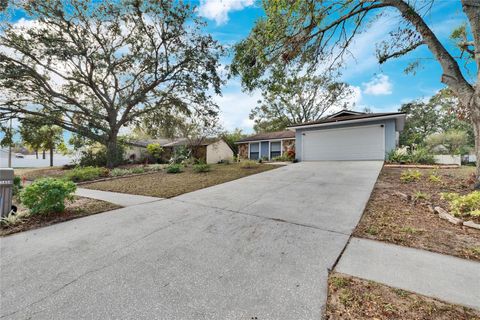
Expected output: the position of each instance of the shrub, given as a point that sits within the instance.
(155, 151)
(465, 205)
(201, 167)
(118, 172)
(137, 170)
(13, 218)
(47, 195)
(435, 178)
(85, 173)
(17, 185)
(290, 153)
(410, 175)
(180, 154)
(399, 155)
(282, 158)
(248, 164)
(154, 167)
(419, 195)
(174, 168)
(422, 156)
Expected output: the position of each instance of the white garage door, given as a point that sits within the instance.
(354, 143)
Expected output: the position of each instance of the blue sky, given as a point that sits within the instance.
(378, 87)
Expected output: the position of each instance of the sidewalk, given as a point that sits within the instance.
(122, 199)
(440, 276)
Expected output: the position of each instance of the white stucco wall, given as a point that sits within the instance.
(219, 151)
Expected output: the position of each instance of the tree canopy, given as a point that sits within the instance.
(93, 67)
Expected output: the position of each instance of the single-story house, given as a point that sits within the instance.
(210, 150)
(345, 135)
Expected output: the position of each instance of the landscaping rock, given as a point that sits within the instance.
(443, 214)
(472, 224)
(430, 208)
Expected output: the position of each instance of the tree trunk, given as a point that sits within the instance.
(43, 154)
(113, 156)
(476, 129)
(36, 154)
(51, 157)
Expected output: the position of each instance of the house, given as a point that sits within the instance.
(345, 135)
(210, 150)
(266, 145)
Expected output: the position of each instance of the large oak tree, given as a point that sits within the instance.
(93, 67)
(316, 31)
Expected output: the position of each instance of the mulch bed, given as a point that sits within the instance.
(81, 207)
(165, 185)
(409, 222)
(357, 299)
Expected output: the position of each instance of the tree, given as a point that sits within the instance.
(290, 97)
(232, 137)
(315, 32)
(95, 67)
(453, 141)
(421, 121)
(39, 135)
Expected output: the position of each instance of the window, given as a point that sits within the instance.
(254, 151)
(275, 149)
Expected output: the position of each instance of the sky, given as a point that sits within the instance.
(381, 88)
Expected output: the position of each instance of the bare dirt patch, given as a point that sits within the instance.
(353, 298)
(80, 207)
(165, 185)
(410, 222)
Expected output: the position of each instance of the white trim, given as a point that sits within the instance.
(335, 123)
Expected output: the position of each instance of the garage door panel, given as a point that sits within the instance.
(356, 143)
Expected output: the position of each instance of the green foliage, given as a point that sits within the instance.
(155, 151)
(465, 205)
(47, 195)
(435, 177)
(248, 164)
(450, 142)
(232, 137)
(419, 195)
(403, 155)
(78, 174)
(283, 157)
(180, 154)
(174, 168)
(410, 175)
(201, 167)
(17, 185)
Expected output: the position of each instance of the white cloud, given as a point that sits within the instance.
(378, 85)
(218, 9)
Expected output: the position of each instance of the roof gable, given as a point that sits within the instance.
(344, 113)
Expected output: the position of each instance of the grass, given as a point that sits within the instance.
(163, 185)
(409, 221)
(356, 299)
(80, 207)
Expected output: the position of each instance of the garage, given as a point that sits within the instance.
(354, 143)
(348, 135)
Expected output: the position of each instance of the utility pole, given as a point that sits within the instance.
(10, 147)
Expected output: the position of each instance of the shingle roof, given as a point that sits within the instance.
(346, 118)
(287, 134)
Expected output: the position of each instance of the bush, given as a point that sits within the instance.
(410, 175)
(155, 151)
(174, 168)
(17, 185)
(180, 154)
(248, 164)
(201, 167)
(137, 170)
(399, 155)
(13, 218)
(118, 172)
(282, 158)
(85, 173)
(154, 167)
(422, 156)
(465, 205)
(47, 195)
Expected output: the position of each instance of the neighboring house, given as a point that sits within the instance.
(266, 145)
(210, 150)
(345, 135)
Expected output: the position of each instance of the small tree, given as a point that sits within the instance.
(454, 142)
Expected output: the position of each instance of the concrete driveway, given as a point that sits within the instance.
(254, 248)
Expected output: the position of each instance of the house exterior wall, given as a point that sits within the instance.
(288, 145)
(219, 151)
(243, 148)
(390, 134)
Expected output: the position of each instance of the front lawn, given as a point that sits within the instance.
(166, 185)
(400, 212)
(357, 299)
(80, 207)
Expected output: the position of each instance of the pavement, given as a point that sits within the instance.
(30, 161)
(122, 199)
(255, 248)
(436, 275)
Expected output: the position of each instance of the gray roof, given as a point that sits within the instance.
(347, 118)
